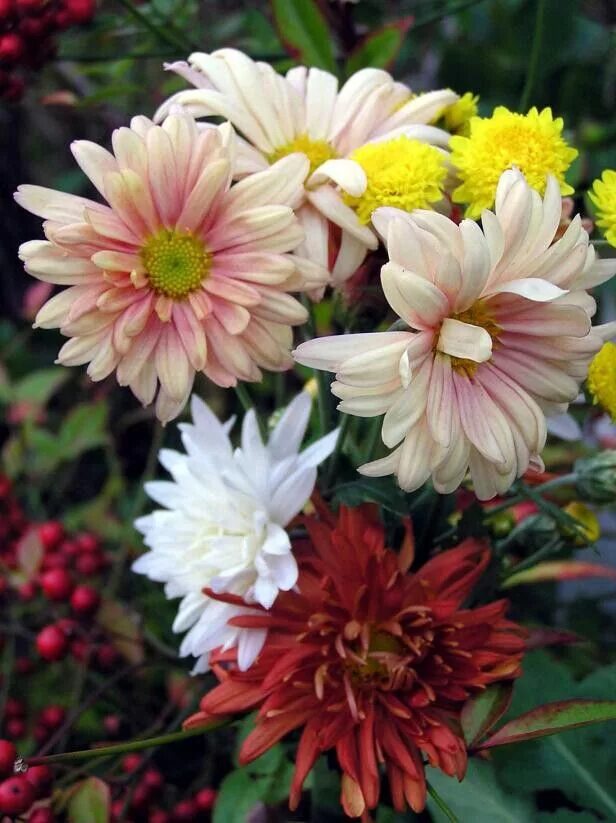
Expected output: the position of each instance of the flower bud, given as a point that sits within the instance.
(596, 477)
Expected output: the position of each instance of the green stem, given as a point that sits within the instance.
(547, 551)
(334, 459)
(435, 18)
(535, 56)
(374, 436)
(441, 804)
(122, 748)
(550, 485)
(247, 404)
(160, 32)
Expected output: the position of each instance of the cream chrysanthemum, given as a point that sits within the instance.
(181, 272)
(602, 379)
(223, 525)
(603, 196)
(306, 112)
(531, 142)
(500, 336)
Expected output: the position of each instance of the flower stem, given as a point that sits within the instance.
(122, 748)
(330, 475)
(550, 485)
(441, 804)
(535, 55)
(247, 404)
(554, 546)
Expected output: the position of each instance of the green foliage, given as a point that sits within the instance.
(304, 32)
(89, 800)
(380, 48)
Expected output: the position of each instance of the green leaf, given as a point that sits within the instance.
(381, 490)
(90, 800)
(39, 386)
(481, 712)
(304, 32)
(83, 429)
(552, 718)
(237, 795)
(478, 797)
(380, 48)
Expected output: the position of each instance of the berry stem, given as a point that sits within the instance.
(122, 748)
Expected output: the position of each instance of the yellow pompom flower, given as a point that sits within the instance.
(603, 196)
(531, 142)
(404, 173)
(457, 117)
(602, 379)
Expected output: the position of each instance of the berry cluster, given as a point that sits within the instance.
(144, 802)
(27, 36)
(18, 792)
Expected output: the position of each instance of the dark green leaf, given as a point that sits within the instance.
(379, 49)
(304, 32)
(83, 429)
(480, 713)
(381, 490)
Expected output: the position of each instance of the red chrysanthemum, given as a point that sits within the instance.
(370, 660)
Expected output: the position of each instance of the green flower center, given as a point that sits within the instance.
(176, 263)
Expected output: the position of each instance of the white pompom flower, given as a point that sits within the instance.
(223, 524)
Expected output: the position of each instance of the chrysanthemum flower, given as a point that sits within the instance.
(602, 379)
(305, 112)
(457, 116)
(224, 523)
(370, 661)
(531, 142)
(603, 196)
(500, 336)
(180, 273)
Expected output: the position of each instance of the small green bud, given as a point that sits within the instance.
(596, 477)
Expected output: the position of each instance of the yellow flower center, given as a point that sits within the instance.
(602, 379)
(401, 172)
(317, 151)
(176, 262)
(532, 142)
(477, 315)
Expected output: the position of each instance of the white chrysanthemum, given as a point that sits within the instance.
(500, 335)
(306, 112)
(223, 525)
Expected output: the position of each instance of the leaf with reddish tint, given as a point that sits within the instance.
(304, 33)
(481, 712)
(543, 636)
(551, 719)
(89, 801)
(380, 48)
(29, 554)
(559, 570)
(122, 627)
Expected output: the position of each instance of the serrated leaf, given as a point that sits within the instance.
(304, 32)
(89, 801)
(380, 48)
(482, 712)
(552, 718)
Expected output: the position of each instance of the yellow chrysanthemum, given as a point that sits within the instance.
(457, 117)
(401, 172)
(603, 196)
(531, 142)
(602, 379)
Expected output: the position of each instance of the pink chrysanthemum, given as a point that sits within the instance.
(500, 335)
(181, 272)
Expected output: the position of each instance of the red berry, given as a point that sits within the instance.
(80, 11)
(15, 728)
(8, 756)
(41, 734)
(51, 643)
(88, 543)
(16, 795)
(107, 657)
(52, 716)
(6, 10)
(153, 779)
(158, 816)
(130, 762)
(41, 815)
(50, 534)
(85, 600)
(141, 798)
(54, 561)
(29, 7)
(69, 626)
(14, 707)
(40, 778)
(24, 666)
(112, 724)
(88, 564)
(57, 584)
(26, 591)
(32, 28)
(205, 799)
(185, 811)
(80, 650)
(11, 47)
(69, 548)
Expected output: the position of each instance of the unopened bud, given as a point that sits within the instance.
(596, 477)
(587, 529)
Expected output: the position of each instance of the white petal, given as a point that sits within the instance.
(460, 339)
